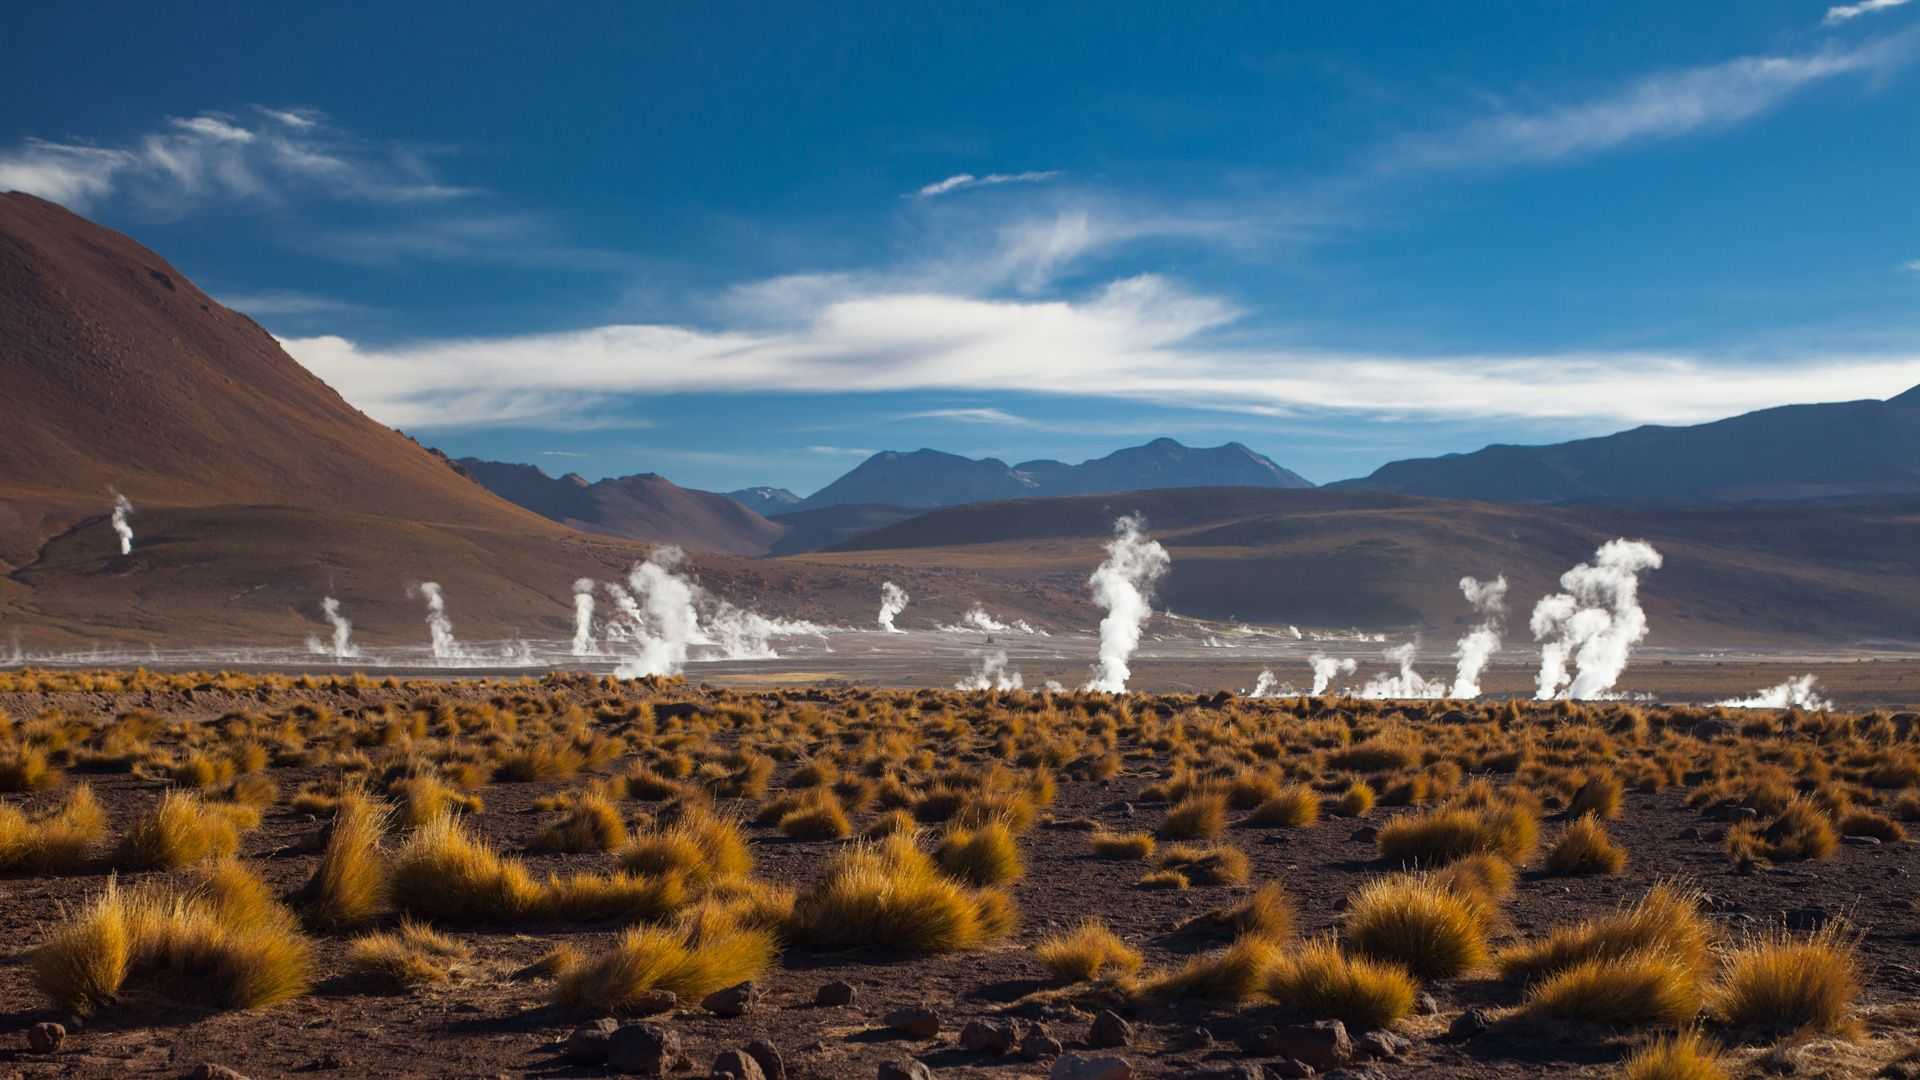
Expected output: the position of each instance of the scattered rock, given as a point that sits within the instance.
(738, 1064)
(207, 1070)
(1689, 833)
(1739, 814)
(1109, 1030)
(642, 1050)
(1860, 841)
(652, 1002)
(904, 1070)
(771, 1064)
(915, 1023)
(1199, 1038)
(1241, 1071)
(1356, 1074)
(1039, 1044)
(1086, 1067)
(1807, 919)
(987, 1037)
(1426, 1005)
(1365, 834)
(1322, 1044)
(1287, 1067)
(734, 1001)
(588, 1045)
(1469, 1024)
(838, 992)
(1380, 1044)
(46, 1037)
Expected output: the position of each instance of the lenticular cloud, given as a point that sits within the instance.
(1594, 624)
(1121, 585)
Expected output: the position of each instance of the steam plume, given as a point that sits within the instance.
(978, 618)
(893, 601)
(438, 625)
(1596, 622)
(990, 673)
(1269, 686)
(1800, 693)
(343, 646)
(1121, 585)
(583, 644)
(122, 509)
(1406, 682)
(1326, 669)
(1489, 598)
(668, 622)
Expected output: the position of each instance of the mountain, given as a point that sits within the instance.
(1832, 573)
(646, 507)
(811, 530)
(930, 478)
(1790, 452)
(765, 500)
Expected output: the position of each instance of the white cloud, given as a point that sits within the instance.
(267, 304)
(1140, 338)
(971, 416)
(961, 181)
(842, 451)
(1914, 266)
(1660, 106)
(1847, 12)
(264, 157)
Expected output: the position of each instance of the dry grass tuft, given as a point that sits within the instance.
(1321, 982)
(1221, 864)
(693, 961)
(1418, 924)
(1234, 974)
(60, 842)
(1356, 800)
(890, 896)
(349, 886)
(182, 830)
(1292, 807)
(1113, 845)
(1666, 921)
(1443, 836)
(1584, 848)
(592, 823)
(1686, 1056)
(822, 818)
(413, 955)
(1087, 952)
(1642, 989)
(979, 857)
(1197, 817)
(1781, 984)
(441, 872)
(702, 847)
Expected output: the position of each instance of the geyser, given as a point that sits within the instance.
(1595, 623)
(122, 509)
(438, 625)
(343, 647)
(583, 644)
(1121, 585)
(990, 673)
(893, 601)
(1489, 599)
(1327, 668)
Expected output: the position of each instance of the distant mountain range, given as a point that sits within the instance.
(765, 500)
(645, 506)
(930, 478)
(1790, 452)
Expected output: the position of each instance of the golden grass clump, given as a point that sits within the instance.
(1220, 864)
(1867, 823)
(1117, 845)
(1200, 816)
(1599, 796)
(26, 768)
(227, 944)
(423, 798)
(1321, 982)
(820, 818)
(888, 895)
(1236, 973)
(414, 954)
(1780, 984)
(1267, 912)
(702, 847)
(1356, 800)
(182, 830)
(1087, 952)
(1667, 921)
(1294, 806)
(1484, 879)
(349, 885)
(1430, 930)
(1584, 848)
(441, 872)
(1802, 831)
(58, 842)
(1685, 1056)
(988, 855)
(691, 961)
(1642, 989)
(1442, 836)
(1165, 879)
(592, 823)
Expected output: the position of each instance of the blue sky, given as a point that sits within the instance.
(749, 243)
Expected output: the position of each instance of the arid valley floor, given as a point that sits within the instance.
(741, 827)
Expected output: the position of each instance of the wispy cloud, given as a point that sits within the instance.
(962, 181)
(1913, 266)
(1142, 339)
(521, 239)
(264, 155)
(998, 417)
(1660, 106)
(269, 304)
(1840, 13)
(842, 451)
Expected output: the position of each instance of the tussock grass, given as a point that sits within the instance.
(1201, 816)
(1356, 800)
(1220, 864)
(1667, 921)
(1642, 989)
(1424, 927)
(592, 823)
(1267, 912)
(226, 944)
(1295, 806)
(1485, 879)
(1868, 823)
(1584, 848)
(1086, 952)
(1321, 982)
(988, 855)
(26, 768)
(58, 842)
(424, 798)
(182, 830)
(691, 962)
(414, 954)
(1443, 836)
(350, 885)
(1234, 974)
(701, 847)
(1802, 831)
(1686, 1056)
(442, 872)
(1781, 983)
(1599, 796)
(1115, 845)
(893, 821)
(889, 896)
(585, 896)
(821, 818)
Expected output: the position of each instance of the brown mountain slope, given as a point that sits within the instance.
(117, 371)
(1828, 573)
(646, 507)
